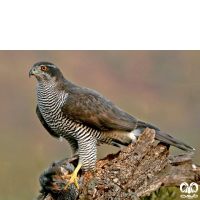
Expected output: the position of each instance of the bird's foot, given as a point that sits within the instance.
(73, 177)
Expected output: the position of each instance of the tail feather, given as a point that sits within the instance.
(172, 141)
(164, 137)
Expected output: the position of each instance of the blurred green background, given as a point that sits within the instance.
(160, 87)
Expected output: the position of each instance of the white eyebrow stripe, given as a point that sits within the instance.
(53, 66)
(49, 66)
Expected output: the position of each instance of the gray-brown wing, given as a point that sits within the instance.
(51, 132)
(94, 110)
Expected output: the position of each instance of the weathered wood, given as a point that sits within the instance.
(137, 171)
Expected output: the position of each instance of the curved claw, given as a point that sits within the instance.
(73, 177)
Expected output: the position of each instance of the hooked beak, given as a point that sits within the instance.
(31, 73)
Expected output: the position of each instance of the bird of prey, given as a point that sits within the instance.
(85, 118)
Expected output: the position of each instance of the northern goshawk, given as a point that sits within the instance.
(85, 118)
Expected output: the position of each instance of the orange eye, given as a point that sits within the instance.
(44, 68)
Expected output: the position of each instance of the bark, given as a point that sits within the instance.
(134, 172)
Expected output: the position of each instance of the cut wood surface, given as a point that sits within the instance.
(134, 172)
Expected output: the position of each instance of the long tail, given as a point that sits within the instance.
(172, 141)
(165, 138)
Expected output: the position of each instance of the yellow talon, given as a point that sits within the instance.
(73, 177)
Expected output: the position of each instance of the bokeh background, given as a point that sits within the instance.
(160, 87)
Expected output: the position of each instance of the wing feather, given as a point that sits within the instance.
(46, 126)
(91, 108)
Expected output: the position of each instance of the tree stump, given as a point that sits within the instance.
(134, 172)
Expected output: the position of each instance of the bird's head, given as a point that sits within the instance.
(45, 71)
